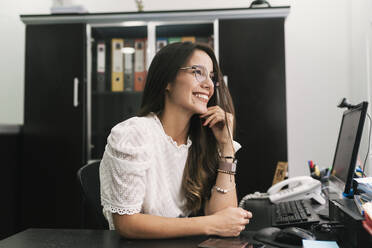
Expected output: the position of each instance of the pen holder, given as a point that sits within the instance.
(322, 176)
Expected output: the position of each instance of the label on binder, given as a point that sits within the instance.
(139, 65)
(101, 66)
(117, 72)
(128, 65)
(160, 43)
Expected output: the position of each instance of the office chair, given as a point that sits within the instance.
(88, 177)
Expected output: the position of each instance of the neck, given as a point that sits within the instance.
(176, 124)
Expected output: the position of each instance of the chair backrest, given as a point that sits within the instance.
(88, 177)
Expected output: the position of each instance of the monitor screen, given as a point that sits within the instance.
(348, 145)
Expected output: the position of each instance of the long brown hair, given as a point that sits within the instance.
(201, 166)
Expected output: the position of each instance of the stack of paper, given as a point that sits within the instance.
(364, 186)
(359, 201)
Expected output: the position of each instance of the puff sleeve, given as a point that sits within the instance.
(123, 169)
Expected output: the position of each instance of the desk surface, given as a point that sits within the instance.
(79, 238)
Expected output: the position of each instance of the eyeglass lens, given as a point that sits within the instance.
(201, 73)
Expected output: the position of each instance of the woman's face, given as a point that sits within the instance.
(186, 93)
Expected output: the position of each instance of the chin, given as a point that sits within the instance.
(200, 110)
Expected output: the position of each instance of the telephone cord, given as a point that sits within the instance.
(255, 195)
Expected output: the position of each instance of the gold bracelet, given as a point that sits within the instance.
(226, 172)
(223, 191)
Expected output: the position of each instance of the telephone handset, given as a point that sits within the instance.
(299, 188)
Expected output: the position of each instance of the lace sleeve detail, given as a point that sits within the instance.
(236, 146)
(123, 171)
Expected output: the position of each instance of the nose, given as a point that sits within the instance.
(207, 83)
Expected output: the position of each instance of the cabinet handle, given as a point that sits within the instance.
(76, 92)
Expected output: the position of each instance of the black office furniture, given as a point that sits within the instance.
(344, 211)
(67, 119)
(10, 146)
(54, 146)
(88, 177)
(79, 238)
(110, 239)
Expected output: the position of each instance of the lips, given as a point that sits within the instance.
(201, 96)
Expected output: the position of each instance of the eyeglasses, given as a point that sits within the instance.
(201, 73)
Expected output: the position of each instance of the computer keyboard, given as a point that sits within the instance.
(293, 213)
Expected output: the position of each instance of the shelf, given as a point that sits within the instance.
(204, 14)
(119, 32)
(172, 30)
(110, 93)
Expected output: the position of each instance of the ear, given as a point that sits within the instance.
(169, 87)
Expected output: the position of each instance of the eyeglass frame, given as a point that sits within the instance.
(194, 67)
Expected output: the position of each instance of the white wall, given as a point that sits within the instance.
(325, 60)
(12, 53)
(318, 75)
(360, 81)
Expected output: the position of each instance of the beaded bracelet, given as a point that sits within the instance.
(226, 172)
(223, 191)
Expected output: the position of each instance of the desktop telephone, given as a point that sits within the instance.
(299, 188)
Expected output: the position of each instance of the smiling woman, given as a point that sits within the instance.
(176, 159)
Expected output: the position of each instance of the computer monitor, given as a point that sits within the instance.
(347, 146)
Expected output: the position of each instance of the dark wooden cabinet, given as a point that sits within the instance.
(252, 56)
(54, 146)
(10, 147)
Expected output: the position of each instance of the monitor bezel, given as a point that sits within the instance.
(363, 108)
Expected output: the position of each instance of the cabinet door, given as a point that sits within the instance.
(252, 57)
(54, 121)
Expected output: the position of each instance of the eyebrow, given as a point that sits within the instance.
(202, 66)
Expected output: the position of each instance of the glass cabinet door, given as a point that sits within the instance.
(117, 79)
(119, 60)
(175, 32)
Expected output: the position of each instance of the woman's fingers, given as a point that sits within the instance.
(215, 120)
(209, 119)
(210, 110)
(247, 214)
(245, 221)
(214, 116)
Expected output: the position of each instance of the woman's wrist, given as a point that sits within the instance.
(208, 229)
(227, 148)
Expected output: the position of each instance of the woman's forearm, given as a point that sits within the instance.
(146, 226)
(218, 200)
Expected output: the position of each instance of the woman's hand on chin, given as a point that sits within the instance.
(215, 119)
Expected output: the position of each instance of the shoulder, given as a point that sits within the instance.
(132, 132)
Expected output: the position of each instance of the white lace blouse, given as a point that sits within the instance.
(141, 170)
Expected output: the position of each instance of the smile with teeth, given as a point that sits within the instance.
(202, 97)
